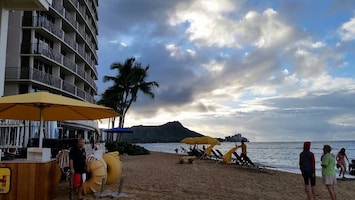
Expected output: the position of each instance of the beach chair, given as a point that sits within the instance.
(183, 150)
(242, 160)
(207, 152)
(227, 157)
(352, 168)
(204, 155)
(219, 153)
(195, 152)
(216, 156)
(237, 159)
(246, 160)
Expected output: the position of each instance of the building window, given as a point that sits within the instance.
(23, 89)
(43, 41)
(41, 66)
(44, 17)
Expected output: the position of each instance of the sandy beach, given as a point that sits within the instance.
(159, 176)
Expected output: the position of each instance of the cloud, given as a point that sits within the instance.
(261, 69)
(347, 30)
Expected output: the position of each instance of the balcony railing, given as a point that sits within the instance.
(40, 21)
(89, 98)
(74, 2)
(32, 74)
(69, 64)
(71, 18)
(69, 40)
(59, 8)
(68, 87)
(81, 29)
(81, 51)
(80, 93)
(43, 49)
(91, 81)
(82, 10)
(28, 73)
(45, 78)
(81, 72)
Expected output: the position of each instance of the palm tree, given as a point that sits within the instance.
(131, 79)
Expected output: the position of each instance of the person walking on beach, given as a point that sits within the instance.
(341, 161)
(78, 166)
(243, 154)
(308, 168)
(328, 172)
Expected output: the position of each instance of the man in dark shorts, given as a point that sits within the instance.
(77, 163)
(308, 169)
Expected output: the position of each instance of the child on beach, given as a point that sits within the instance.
(341, 161)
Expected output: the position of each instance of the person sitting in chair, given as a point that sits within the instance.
(243, 154)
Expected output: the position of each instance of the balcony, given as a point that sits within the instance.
(81, 29)
(69, 40)
(69, 64)
(40, 21)
(71, 19)
(59, 8)
(81, 72)
(69, 87)
(45, 78)
(89, 6)
(74, 2)
(28, 73)
(48, 80)
(80, 93)
(44, 49)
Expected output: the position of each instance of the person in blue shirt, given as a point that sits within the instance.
(308, 169)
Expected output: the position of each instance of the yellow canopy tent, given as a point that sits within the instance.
(227, 157)
(202, 140)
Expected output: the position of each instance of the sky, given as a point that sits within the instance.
(270, 70)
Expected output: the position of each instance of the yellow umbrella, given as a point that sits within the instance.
(227, 157)
(44, 106)
(200, 140)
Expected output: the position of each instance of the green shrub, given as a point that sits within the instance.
(126, 148)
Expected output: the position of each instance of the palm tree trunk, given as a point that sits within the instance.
(121, 123)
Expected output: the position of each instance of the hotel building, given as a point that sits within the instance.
(55, 51)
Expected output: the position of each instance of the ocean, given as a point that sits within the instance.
(283, 156)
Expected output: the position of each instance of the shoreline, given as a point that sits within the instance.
(282, 155)
(158, 176)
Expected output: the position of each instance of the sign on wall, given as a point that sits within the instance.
(5, 180)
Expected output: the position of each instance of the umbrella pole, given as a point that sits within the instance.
(41, 128)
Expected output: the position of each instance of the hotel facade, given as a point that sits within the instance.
(51, 49)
